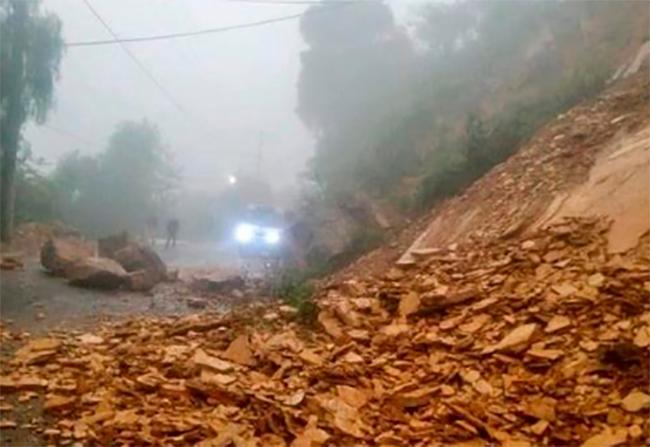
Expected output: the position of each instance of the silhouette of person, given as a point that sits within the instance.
(172, 231)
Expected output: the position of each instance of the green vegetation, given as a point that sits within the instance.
(294, 288)
(36, 192)
(120, 187)
(30, 53)
(485, 76)
(112, 191)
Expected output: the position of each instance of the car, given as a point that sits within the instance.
(259, 233)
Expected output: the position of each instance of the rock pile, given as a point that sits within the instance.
(121, 262)
(542, 341)
(514, 195)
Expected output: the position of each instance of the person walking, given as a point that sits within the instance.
(172, 232)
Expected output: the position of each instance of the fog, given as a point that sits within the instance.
(237, 89)
(395, 104)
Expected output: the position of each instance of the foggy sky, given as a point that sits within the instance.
(231, 85)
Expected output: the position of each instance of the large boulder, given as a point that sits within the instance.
(136, 257)
(59, 254)
(100, 273)
(107, 246)
(141, 280)
(144, 267)
(212, 280)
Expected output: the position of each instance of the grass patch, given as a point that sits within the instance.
(293, 288)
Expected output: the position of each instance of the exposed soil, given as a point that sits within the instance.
(514, 195)
(618, 188)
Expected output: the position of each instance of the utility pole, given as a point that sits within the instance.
(259, 154)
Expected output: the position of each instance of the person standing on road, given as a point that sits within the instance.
(172, 231)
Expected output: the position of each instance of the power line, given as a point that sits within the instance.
(302, 2)
(117, 40)
(140, 65)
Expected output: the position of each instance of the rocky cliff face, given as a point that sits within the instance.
(591, 160)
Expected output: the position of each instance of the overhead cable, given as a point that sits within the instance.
(140, 65)
(303, 2)
(121, 41)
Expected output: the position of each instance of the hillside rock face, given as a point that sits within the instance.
(618, 187)
(532, 185)
(59, 254)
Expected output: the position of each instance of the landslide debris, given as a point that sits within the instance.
(542, 341)
(120, 262)
(58, 255)
(511, 198)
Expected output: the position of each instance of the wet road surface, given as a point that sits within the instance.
(34, 301)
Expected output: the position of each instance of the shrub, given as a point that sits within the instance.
(293, 288)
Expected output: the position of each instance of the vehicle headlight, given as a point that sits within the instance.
(272, 235)
(244, 233)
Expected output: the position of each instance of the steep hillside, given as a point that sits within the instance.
(516, 194)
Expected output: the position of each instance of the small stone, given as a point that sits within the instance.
(310, 357)
(519, 337)
(558, 322)
(596, 280)
(55, 403)
(447, 390)
(51, 432)
(528, 245)
(409, 304)
(615, 417)
(642, 337)
(352, 357)
(6, 423)
(539, 427)
(287, 310)
(541, 408)
(202, 359)
(634, 431)
(549, 354)
(635, 401)
(564, 290)
(271, 316)
(608, 438)
(589, 345)
(90, 339)
(395, 274)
